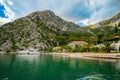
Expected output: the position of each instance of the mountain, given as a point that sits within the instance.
(43, 29)
(107, 29)
(114, 21)
(37, 30)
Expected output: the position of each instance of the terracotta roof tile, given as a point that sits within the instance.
(79, 42)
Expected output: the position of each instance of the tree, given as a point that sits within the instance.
(104, 38)
(107, 47)
(92, 40)
(50, 49)
(77, 48)
(95, 49)
(69, 49)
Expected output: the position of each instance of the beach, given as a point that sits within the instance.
(90, 55)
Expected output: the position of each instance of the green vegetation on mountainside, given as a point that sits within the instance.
(43, 29)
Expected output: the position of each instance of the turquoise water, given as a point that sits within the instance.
(48, 67)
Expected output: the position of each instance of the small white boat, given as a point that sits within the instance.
(28, 51)
(32, 51)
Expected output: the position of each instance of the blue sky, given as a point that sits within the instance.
(2, 11)
(82, 12)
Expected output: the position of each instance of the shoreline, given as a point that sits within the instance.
(104, 57)
(81, 55)
(90, 55)
(100, 57)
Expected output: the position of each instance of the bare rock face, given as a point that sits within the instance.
(6, 46)
(37, 30)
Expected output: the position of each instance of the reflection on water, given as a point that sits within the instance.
(48, 67)
(92, 77)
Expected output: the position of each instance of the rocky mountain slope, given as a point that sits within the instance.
(107, 29)
(114, 21)
(43, 29)
(37, 30)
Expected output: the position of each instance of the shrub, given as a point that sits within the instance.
(84, 48)
(50, 49)
(102, 49)
(107, 47)
(69, 49)
(95, 49)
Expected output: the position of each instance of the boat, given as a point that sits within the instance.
(28, 51)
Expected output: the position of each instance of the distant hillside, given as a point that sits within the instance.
(107, 29)
(114, 21)
(38, 30)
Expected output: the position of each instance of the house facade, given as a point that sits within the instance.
(116, 46)
(79, 43)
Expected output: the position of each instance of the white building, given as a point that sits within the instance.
(116, 46)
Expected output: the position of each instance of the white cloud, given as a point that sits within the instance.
(8, 12)
(4, 20)
(72, 10)
(10, 2)
(60, 7)
(101, 10)
(84, 22)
